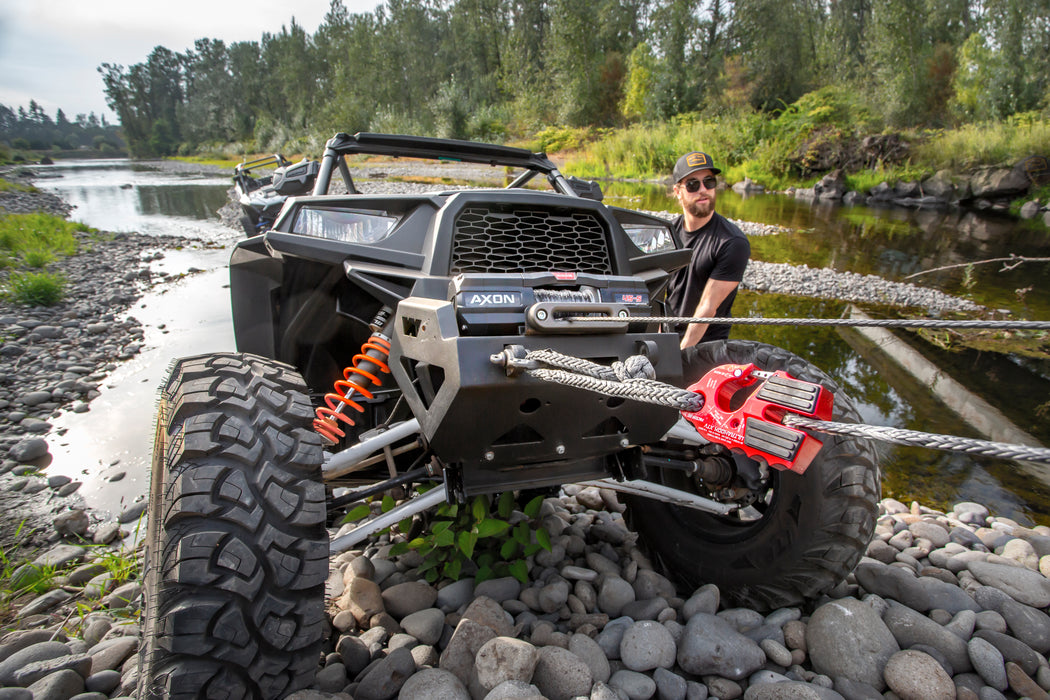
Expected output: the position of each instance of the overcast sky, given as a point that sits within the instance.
(50, 49)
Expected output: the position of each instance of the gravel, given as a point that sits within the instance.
(958, 603)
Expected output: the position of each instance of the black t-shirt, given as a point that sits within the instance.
(720, 252)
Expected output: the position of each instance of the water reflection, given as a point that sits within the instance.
(113, 195)
(886, 394)
(891, 242)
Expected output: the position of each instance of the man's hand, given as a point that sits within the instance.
(715, 292)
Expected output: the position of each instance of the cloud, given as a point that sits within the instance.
(50, 50)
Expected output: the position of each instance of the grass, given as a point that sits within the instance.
(9, 186)
(36, 288)
(999, 143)
(787, 148)
(37, 232)
(218, 161)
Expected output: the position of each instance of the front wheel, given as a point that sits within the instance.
(237, 550)
(801, 536)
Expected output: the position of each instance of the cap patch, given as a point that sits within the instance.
(697, 160)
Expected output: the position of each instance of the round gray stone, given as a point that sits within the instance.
(710, 646)
(647, 645)
(561, 675)
(433, 684)
(988, 662)
(637, 686)
(913, 674)
(846, 638)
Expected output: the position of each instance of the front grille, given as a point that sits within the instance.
(529, 240)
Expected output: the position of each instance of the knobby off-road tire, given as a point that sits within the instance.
(237, 550)
(811, 534)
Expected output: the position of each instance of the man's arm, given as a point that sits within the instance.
(715, 292)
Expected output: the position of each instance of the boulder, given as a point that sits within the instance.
(995, 183)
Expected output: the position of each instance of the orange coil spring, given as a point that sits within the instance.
(355, 380)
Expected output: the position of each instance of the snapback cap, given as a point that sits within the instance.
(691, 162)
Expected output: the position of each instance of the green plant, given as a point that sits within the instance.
(498, 543)
(9, 186)
(37, 231)
(37, 258)
(36, 288)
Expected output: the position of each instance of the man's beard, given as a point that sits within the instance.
(701, 208)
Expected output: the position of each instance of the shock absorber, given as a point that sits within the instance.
(359, 378)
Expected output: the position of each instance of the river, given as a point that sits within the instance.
(192, 316)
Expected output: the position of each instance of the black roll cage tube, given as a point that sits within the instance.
(341, 145)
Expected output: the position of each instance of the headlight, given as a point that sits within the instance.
(650, 238)
(344, 225)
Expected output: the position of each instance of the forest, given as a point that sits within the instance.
(503, 70)
(33, 129)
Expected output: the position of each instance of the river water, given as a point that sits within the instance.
(192, 316)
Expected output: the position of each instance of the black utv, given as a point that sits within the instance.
(384, 337)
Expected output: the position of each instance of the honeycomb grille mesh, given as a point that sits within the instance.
(528, 240)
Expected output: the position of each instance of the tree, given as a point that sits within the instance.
(776, 42)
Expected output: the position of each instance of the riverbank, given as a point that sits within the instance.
(568, 600)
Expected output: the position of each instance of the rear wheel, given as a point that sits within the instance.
(801, 536)
(237, 550)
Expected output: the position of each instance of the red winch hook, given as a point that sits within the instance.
(754, 425)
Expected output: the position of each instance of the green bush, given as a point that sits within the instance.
(472, 532)
(36, 288)
(37, 258)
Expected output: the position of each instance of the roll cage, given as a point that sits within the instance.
(401, 146)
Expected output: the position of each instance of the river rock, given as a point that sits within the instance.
(32, 672)
(61, 685)
(647, 645)
(505, 659)
(910, 628)
(913, 675)
(613, 595)
(988, 663)
(463, 646)
(993, 183)
(636, 686)
(847, 638)
(433, 684)
(387, 677)
(1013, 650)
(893, 582)
(28, 450)
(710, 646)
(591, 653)
(1024, 586)
(409, 597)
(488, 612)
(499, 589)
(561, 675)
(425, 625)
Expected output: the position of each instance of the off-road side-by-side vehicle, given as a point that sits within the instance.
(387, 338)
(261, 192)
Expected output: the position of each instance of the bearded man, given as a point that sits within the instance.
(707, 287)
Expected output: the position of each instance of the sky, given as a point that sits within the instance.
(50, 49)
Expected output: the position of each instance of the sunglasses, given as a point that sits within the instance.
(693, 185)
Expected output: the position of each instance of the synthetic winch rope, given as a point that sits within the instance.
(854, 322)
(618, 381)
(632, 379)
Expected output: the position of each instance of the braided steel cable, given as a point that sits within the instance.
(597, 378)
(848, 322)
(902, 436)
